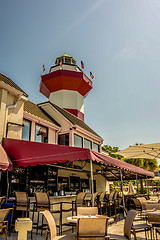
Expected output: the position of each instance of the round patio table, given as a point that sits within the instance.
(74, 219)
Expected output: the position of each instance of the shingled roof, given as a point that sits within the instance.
(73, 119)
(37, 111)
(8, 81)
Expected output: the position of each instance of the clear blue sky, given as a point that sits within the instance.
(118, 41)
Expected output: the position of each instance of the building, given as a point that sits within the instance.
(50, 145)
(60, 120)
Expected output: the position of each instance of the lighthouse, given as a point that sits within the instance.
(66, 85)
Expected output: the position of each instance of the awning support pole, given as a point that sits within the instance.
(137, 184)
(147, 185)
(121, 176)
(92, 190)
(7, 185)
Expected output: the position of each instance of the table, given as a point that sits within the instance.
(74, 219)
(152, 201)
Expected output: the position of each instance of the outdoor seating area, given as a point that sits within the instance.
(83, 221)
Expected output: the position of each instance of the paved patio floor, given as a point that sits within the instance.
(116, 228)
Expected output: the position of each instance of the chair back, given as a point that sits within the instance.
(80, 199)
(150, 206)
(137, 204)
(88, 211)
(153, 217)
(142, 201)
(115, 196)
(95, 195)
(4, 214)
(102, 196)
(21, 198)
(111, 195)
(51, 223)
(89, 228)
(128, 223)
(2, 199)
(42, 200)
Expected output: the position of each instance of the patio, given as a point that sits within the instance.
(116, 228)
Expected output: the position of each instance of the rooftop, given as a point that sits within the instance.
(34, 109)
(8, 81)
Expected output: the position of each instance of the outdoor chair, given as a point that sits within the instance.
(92, 228)
(110, 203)
(136, 204)
(116, 205)
(87, 211)
(4, 222)
(154, 220)
(129, 228)
(150, 206)
(157, 233)
(22, 203)
(95, 199)
(142, 201)
(96, 194)
(80, 199)
(102, 203)
(43, 203)
(2, 199)
(79, 202)
(51, 228)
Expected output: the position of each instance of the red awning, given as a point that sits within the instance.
(5, 163)
(24, 153)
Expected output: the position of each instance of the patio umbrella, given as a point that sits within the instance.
(146, 151)
(5, 163)
(131, 189)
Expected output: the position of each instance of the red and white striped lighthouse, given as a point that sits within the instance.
(66, 85)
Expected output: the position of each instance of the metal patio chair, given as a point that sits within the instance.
(4, 221)
(92, 228)
(51, 228)
(42, 203)
(22, 203)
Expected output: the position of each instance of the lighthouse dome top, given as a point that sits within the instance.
(66, 59)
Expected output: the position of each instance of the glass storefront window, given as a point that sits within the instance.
(26, 130)
(78, 141)
(41, 134)
(87, 143)
(95, 147)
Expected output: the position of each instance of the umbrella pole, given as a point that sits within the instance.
(7, 185)
(92, 190)
(147, 185)
(121, 176)
(137, 184)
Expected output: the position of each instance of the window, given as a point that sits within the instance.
(63, 139)
(78, 141)
(95, 147)
(68, 61)
(26, 130)
(87, 144)
(41, 134)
